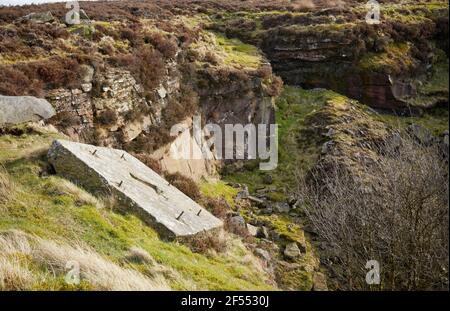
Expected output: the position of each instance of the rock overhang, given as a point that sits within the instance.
(138, 189)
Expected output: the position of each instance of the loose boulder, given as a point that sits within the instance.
(282, 207)
(237, 222)
(21, 109)
(292, 251)
(252, 230)
(136, 187)
(39, 17)
(263, 254)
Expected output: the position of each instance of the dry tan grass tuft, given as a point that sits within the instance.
(14, 272)
(82, 196)
(138, 255)
(13, 242)
(209, 241)
(6, 186)
(151, 268)
(17, 250)
(101, 273)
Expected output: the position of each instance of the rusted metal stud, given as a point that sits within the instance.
(178, 218)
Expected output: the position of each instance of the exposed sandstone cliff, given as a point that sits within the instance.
(335, 48)
(113, 106)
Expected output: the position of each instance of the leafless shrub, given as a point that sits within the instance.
(394, 211)
(145, 158)
(167, 46)
(98, 271)
(107, 117)
(138, 255)
(66, 119)
(185, 185)
(219, 207)
(205, 242)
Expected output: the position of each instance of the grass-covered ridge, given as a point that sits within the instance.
(238, 52)
(395, 59)
(54, 209)
(217, 49)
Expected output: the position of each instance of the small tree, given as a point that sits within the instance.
(394, 210)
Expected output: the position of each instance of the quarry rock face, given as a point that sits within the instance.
(118, 91)
(20, 109)
(235, 101)
(138, 189)
(173, 159)
(335, 50)
(305, 60)
(114, 92)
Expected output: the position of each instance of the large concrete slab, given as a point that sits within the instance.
(107, 171)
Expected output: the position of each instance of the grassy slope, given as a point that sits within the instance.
(49, 208)
(229, 52)
(299, 149)
(52, 209)
(396, 55)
